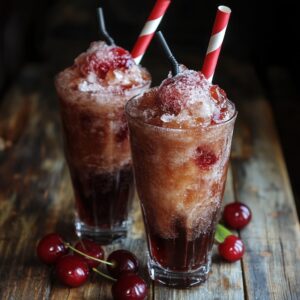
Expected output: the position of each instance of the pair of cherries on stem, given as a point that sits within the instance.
(73, 269)
(236, 215)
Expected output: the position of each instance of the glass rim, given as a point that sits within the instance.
(201, 127)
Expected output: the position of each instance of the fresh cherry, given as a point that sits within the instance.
(92, 249)
(232, 249)
(123, 261)
(72, 270)
(129, 287)
(237, 215)
(50, 248)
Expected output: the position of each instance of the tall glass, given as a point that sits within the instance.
(180, 177)
(97, 151)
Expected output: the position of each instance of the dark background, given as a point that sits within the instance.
(261, 33)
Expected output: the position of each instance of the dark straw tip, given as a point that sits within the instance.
(108, 39)
(168, 53)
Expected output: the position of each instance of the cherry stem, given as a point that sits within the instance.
(103, 274)
(222, 233)
(88, 256)
(82, 244)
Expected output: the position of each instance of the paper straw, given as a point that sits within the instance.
(149, 29)
(215, 42)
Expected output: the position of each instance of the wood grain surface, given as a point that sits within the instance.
(36, 198)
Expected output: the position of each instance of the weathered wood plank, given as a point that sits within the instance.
(283, 91)
(36, 197)
(31, 172)
(272, 260)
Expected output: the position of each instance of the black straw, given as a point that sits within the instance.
(108, 39)
(168, 53)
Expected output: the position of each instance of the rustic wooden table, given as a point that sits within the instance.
(36, 198)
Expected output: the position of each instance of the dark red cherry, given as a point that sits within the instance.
(218, 95)
(174, 93)
(121, 58)
(129, 287)
(50, 248)
(237, 215)
(72, 270)
(124, 261)
(205, 158)
(92, 249)
(232, 249)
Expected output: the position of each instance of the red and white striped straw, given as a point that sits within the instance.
(149, 29)
(215, 42)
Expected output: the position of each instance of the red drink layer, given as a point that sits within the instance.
(180, 137)
(92, 96)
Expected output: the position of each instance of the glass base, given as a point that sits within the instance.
(101, 235)
(177, 279)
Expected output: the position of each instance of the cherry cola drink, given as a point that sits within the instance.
(92, 95)
(180, 136)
